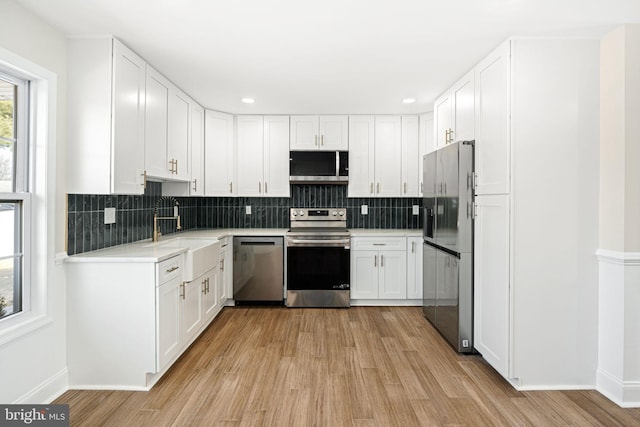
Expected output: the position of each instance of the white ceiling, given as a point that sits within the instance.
(324, 56)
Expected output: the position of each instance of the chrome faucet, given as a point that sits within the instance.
(156, 218)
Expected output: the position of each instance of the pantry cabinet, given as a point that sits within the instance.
(319, 133)
(378, 268)
(106, 116)
(454, 112)
(219, 154)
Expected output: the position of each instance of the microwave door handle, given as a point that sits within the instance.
(337, 163)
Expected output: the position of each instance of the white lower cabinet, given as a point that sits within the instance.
(378, 268)
(225, 273)
(414, 268)
(131, 320)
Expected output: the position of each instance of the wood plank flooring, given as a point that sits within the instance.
(363, 366)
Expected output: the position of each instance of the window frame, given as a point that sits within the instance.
(39, 267)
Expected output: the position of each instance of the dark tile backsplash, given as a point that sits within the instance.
(134, 214)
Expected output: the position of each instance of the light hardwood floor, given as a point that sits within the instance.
(363, 366)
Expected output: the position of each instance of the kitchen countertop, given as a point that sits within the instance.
(148, 251)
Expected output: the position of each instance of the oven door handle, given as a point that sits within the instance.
(319, 242)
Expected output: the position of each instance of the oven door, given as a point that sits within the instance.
(318, 275)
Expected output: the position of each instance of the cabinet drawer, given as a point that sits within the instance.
(169, 269)
(376, 243)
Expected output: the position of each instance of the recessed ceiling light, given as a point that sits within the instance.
(409, 100)
(248, 100)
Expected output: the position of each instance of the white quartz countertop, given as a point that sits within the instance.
(148, 251)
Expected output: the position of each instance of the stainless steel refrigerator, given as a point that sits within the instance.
(448, 243)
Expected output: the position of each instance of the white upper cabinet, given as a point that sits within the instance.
(262, 155)
(197, 150)
(219, 154)
(156, 121)
(388, 156)
(492, 149)
(249, 155)
(276, 156)
(427, 143)
(411, 159)
(361, 156)
(319, 133)
(106, 105)
(178, 146)
(454, 113)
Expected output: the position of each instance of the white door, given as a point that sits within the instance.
(442, 119)
(219, 154)
(276, 156)
(361, 156)
(304, 133)
(249, 155)
(491, 281)
(414, 268)
(168, 333)
(179, 125)
(333, 133)
(392, 275)
(411, 159)
(364, 274)
(197, 150)
(492, 149)
(463, 94)
(192, 308)
(128, 121)
(156, 125)
(388, 156)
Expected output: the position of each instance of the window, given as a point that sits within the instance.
(14, 193)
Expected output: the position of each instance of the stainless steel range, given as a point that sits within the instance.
(318, 258)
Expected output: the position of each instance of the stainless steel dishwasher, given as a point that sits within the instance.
(258, 270)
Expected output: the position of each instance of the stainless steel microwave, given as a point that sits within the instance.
(319, 167)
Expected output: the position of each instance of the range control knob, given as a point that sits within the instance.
(293, 213)
(335, 213)
(341, 213)
(301, 212)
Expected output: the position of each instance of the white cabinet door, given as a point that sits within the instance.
(364, 274)
(427, 143)
(179, 126)
(491, 281)
(333, 133)
(168, 331)
(443, 123)
(249, 155)
(222, 273)
(392, 273)
(410, 157)
(304, 133)
(492, 134)
(156, 124)
(414, 268)
(463, 94)
(192, 317)
(276, 156)
(210, 301)
(197, 150)
(388, 158)
(219, 154)
(128, 120)
(361, 156)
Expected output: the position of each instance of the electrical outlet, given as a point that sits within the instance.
(364, 210)
(247, 210)
(109, 215)
(465, 343)
(416, 210)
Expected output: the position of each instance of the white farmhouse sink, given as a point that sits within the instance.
(201, 256)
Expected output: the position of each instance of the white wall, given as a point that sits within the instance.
(33, 367)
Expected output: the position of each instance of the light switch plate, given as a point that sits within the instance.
(247, 210)
(109, 215)
(364, 210)
(416, 210)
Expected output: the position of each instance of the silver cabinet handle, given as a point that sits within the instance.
(144, 179)
(379, 244)
(195, 184)
(378, 188)
(231, 187)
(381, 260)
(265, 188)
(204, 286)
(405, 188)
(259, 187)
(221, 265)
(322, 140)
(182, 291)
(371, 192)
(315, 140)
(172, 269)
(422, 187)
(375, 260)
(176, 167)
(413, 247)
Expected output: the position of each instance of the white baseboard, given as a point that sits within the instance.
(386, 302)
(48, 391)
(625, 394)
(555, 387)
